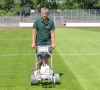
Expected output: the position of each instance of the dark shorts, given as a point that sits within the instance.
(42, 55)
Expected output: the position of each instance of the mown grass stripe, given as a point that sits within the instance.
(68, 79)
(84, 67)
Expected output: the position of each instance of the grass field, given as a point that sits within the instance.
(76, 58)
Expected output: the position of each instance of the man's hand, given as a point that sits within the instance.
(53, 46)
(32, 45)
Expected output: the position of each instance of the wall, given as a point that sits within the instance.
(67, 24)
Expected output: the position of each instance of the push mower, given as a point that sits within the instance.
(46, 71)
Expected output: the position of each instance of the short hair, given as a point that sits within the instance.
(45, 10)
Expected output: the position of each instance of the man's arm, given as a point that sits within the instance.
(53, 39)
(33, 38)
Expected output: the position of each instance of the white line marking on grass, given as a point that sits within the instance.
(16, 54)
(52, 54)
(14, 39)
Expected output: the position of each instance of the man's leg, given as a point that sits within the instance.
(40, 62)
(47, 56)
(40, 59)
(46, 61)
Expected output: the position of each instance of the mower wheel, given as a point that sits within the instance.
(33, 80)
(56, 78)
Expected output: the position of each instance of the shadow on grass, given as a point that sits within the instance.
(45, 84)
(48, 85)
(61, 74)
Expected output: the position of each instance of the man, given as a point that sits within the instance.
(43, 33)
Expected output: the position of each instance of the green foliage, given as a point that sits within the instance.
(16, 9)
(1, 4)
(13, 7)
(9, 8)
(69, 4)
(3, 12)
(44, 3)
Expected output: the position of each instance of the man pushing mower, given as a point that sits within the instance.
(43, 34)
(43, 39)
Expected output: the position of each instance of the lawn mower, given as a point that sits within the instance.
(46, 71)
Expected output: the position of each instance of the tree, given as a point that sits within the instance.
(1, 4)
(16, 9)
(69, 4)
(87, 4)
(9, 7)
(13, 7)
(97, 6)
(51, 4)
(90, 4)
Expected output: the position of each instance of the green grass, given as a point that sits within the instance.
(76, 58)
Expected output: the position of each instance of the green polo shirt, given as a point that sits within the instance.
(43, 36)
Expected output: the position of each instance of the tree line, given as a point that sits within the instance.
(13, 7)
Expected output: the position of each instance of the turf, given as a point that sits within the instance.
(76, 58)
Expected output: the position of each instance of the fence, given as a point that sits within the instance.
(59, 16)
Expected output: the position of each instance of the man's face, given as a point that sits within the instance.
(44, 15)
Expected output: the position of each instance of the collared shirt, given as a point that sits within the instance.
(43, 36)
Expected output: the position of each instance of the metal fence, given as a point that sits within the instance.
(59, 16)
